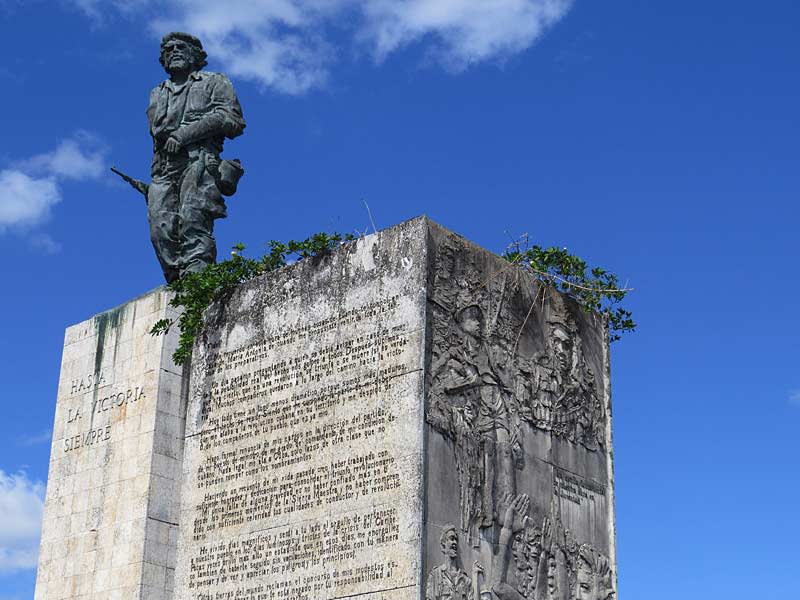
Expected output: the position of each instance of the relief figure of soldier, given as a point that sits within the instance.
(561, 393)
(449, 581)
(474, 409)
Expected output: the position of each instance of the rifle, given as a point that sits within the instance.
(139, 186)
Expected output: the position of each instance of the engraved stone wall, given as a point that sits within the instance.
(110, 518)
(407, 417)
(303, 466)
(520, 489)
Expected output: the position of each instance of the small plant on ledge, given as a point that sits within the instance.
(595, 289)
(195, 292)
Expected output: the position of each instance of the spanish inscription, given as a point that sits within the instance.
(576, 489)
(115, 459)
(100, 406)
(296, 491)
(87, 383)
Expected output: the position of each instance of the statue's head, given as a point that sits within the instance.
(562, 346)
(182, 52)
(593, 576)
(470, 319)
(449, 541)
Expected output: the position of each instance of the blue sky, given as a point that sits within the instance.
(659, 140)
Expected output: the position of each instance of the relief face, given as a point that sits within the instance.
(518, 449)
(558, 390)
(448, 580)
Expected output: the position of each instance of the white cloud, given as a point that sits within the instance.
(794, 398)
(288, 44)
(21, 504)
(97, 10)
(77, 158)
(465, 31)
(25, 200)
(30, 188)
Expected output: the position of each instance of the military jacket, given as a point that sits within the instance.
(443, 585)
(200, 114)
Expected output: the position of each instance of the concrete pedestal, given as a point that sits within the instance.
(407, 417)
(111, 512)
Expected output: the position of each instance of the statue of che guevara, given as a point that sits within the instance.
(190, 114)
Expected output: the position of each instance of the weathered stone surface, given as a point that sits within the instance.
(407, 417)
(518, 434)
(111, 513)
(304, 439)
(354, 418)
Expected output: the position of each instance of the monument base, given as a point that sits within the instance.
(111, 511)
(407, 417)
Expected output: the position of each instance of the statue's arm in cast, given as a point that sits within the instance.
(467, 377)
(440, 363)
(223, 118)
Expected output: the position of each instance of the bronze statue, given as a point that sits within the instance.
(190, 115)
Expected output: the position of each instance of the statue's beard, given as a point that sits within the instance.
(178, 64)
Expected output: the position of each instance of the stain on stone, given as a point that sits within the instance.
(104, 324)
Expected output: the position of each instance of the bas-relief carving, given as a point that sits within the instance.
(449, 581)
(548, 563)
(534, 561)
(474, 407)
(559, 393)
(490, 381)
(482, 386)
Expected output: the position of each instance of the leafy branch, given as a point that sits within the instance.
(195, 292)
(595, 289)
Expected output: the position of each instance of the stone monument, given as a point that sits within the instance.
(407, 417)
(190, 115)
(111, 511)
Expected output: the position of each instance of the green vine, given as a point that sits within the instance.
(595, 289)
(195, 292)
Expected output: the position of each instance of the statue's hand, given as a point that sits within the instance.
(516, 514)
(521, 506)
(172, 146)
(547, 534)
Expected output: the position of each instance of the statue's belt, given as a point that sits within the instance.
(196, 159)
